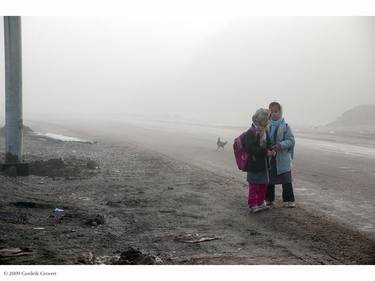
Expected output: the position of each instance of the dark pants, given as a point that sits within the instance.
(288, 195)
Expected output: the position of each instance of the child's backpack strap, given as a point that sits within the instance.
(291, 149)
(286, 129)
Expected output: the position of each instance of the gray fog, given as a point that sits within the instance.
(217, 70)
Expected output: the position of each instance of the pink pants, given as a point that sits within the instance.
(257, 194)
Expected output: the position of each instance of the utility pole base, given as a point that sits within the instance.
(15, 169)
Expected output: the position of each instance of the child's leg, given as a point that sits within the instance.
(262, 193)
(270, 194)
(251, 201)
(259, 191)
(288, 194)
(256, 194)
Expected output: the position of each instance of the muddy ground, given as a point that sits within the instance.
(127, 205)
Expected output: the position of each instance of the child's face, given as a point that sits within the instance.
(275, 113)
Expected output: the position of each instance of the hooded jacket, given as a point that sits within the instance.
(284, 138)
(258, 160)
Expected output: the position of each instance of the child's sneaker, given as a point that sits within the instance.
(289, 205)
(255, 209)
(269, 203)
(260, 208)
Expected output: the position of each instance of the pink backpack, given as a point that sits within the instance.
(240, 153)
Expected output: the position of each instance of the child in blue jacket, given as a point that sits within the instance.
(282, 141)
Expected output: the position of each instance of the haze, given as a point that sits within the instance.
(217, 70)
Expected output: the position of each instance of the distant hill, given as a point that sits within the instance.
(362, 115)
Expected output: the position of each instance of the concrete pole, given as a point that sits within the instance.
(13, 90)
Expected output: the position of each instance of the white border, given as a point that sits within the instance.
(186, 273)
(232, 8)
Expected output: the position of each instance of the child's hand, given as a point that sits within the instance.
(276, 147)
(271, 153)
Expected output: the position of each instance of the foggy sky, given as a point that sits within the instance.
(215, 69)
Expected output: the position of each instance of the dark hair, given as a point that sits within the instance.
(276, 104)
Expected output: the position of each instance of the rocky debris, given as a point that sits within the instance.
(113, 203)
(129, 257)
(10, 172)
(86, 259)
(92, 165)
(14, 252)
(94, 221)
(134, 256)
(195, 238)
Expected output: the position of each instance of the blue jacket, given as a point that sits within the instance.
(285, 139)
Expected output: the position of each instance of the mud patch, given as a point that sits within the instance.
(66, 168)
(25, 204)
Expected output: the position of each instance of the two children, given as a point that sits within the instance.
(270, 143)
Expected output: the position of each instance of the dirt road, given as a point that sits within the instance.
(334, 175)
(170, 208)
